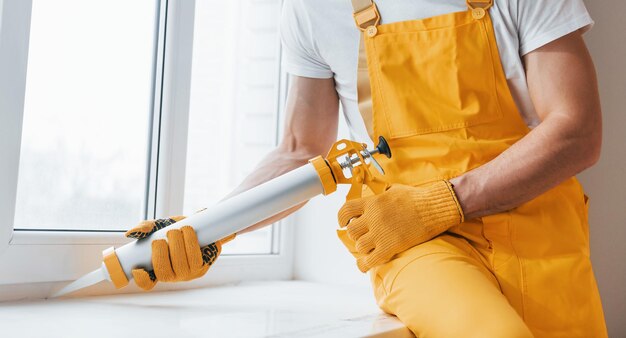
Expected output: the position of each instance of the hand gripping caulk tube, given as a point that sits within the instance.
(319, 176)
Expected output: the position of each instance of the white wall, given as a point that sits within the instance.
(606, 182)
(321, 257)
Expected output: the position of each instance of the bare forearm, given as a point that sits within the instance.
(276, 163)
(548, 155)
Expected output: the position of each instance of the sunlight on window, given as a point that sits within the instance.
(86, 118)
(234, 98)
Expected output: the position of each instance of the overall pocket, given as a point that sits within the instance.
(427, 82)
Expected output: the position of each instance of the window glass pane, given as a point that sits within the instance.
(86, 118)
(234, 98)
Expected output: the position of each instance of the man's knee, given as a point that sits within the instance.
(448, 294)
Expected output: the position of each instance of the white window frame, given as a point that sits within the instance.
(52, 256)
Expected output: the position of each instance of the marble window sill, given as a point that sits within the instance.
(250, 309)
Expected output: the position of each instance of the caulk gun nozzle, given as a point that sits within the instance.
(89, 279)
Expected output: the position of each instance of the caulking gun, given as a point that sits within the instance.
(319, 176)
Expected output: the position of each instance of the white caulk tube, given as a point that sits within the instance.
(239, 212)
(227, 217)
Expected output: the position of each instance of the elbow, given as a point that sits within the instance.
(304, 147)
(298, 152)
(593, 154)
(592, 148)
(583, 132)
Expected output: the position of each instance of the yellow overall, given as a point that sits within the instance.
(440, 97)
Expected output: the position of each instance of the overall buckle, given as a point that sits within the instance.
(367, 17)
(479, 7)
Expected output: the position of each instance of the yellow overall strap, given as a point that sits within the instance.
(485, 4)
(365, 15)
(360, 5)
(479, 7)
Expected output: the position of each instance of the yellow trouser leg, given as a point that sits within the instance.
(442, 289)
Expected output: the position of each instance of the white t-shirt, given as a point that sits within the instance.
(321, 40)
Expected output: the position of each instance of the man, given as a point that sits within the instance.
(490, 108)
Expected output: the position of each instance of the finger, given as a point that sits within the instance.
(211, 252)
(162, 223)
(161, 261)
(371, 260)
(365, 244)
(192, 248)
(177, 218)
(145, 280)
(350, 210)
(357, 228)
(199, 273)
(142, 230)
(176, 244)
(227, 239)
(148, 227)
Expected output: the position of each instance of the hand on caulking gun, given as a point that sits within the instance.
(174, 253)
(381, 226)
(177, 259)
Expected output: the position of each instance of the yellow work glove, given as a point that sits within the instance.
(398, 219)
(179, 258)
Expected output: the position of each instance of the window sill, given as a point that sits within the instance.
(251, 309)
(33, 260)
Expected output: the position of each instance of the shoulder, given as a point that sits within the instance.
(306, 26)
(527, 12)
(537, 22)
(309, 15)
(311, 8)
(329, 11)
(320, 22)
